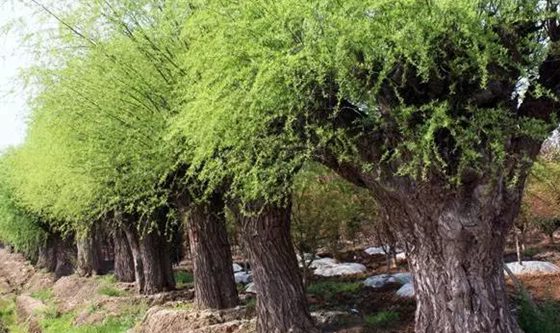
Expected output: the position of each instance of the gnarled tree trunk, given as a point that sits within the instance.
(134, 243)
(211, 255)
(89, 255)
(57, 255)
(281, 301)
(124, 262)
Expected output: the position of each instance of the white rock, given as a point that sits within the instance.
(340, 269)
(251, 288)
(242, 277)
(401, 256)
(237, 268)
(379, 281)
(375, 250)
(406, 291)
(533, 267)
(322, 262)
(403, 278)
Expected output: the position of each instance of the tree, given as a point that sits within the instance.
(410, 99)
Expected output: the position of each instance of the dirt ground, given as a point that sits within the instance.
(354, 306)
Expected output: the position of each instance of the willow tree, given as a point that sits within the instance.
(114, 95)
(19, 228)
(437, 107)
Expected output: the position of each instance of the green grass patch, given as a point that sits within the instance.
(329, 289)
(183, 279)
(55, 323)
(44, 295)
(8, 317)
(544, 319)
(108, 286)
(530, 252)
(383, 319)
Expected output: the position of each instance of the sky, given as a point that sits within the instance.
(13, 109)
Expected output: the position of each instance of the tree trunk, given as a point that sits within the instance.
(281, 301)
(156, 260)
(132, 237)
(124, 262)
(455, 248)
(211, 255)
(65, 257)
(47, 254)
(89, 256)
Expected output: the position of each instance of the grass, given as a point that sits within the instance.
(530, 252)
(183, 279)
(44, 295)
(8, 317)
(383, 319)
(108, 286)
(329, 289)
(545, 319)
(55, 323)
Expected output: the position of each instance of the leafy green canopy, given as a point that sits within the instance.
(17, 227)
(96, 139)
(432, 85)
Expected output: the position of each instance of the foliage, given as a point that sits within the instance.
(183, 278)
(108, 286)
(329, 289)
(326, 209)
(18, 227)
(268, 80)
(44, 295)
(545, 319)
(382, 319)
(8, 316)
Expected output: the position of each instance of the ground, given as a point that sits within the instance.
(31, 301)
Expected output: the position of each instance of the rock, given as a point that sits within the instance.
(340, 269)
(251, 288)
(243, 278)
(403, 278)
(401, 256)
(331, 320)
(533, 267)
(379, 281)
(406, 291)
(237, 268)
(321, 262)
(375, 250)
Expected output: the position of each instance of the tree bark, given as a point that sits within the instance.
(89, 256)
(211, 255)
(455, 243)
(281, 301)
(134, 243)
(47, 254)
(65, 257)
(124, 262)
(454, 237)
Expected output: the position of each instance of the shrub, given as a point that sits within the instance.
(329, 289)
(183, 278)
(383, 319)
(544, 319)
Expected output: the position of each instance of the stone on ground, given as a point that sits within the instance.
(533, 267)
(406, 291)
(339, 269)
(243, 278)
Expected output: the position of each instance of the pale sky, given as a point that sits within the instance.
(13, 109)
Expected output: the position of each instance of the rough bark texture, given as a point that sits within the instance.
(281, 301)
(124, 262)
(47, 254)
(211, 256)
(133, 241)
(89, 256)
(153, 270)
(57, 255)
(454, 239)
(65, 258)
